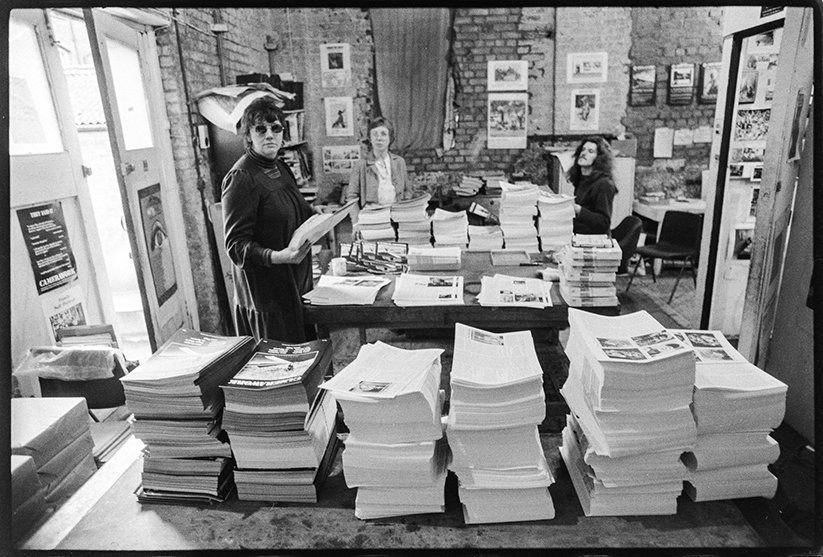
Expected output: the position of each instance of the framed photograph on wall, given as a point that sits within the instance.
(740, 243)
(587, 67)
(643, 85)
(709, 82)
(339, 122)
(681, 83)
(508, 120)
(757, 173)
(584, 109)
(752, 125)
(508, 75)
(748, 87)
(735, 170)
(335, 65)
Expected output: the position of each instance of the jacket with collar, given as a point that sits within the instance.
(364, 179)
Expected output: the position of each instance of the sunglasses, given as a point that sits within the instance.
(276, 127)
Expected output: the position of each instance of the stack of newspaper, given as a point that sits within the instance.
(343, 291)
(555, 221)
(395, 455)
(507, 291)
(374, 223)
(450, 229)
(177, 403)
(434, 259)
(413, 224)
(424, 290)
(485, 238)
(588, 270)
(736, 405)
(629, 390)
(468, 186)
(518, 208)
(280, 426)
(497, 401)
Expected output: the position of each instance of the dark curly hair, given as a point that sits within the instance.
(263, 109)
(603, 163)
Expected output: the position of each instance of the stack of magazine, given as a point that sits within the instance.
(413, 224)
(395, 454)
(374, 224)
(518, 208)
(450, 228)
(496, 404)
(425, 290)
(555, 221)
(629, 389)
(507, 291)
(280, 425)
(177, 403)
(588, 270)
(736, 405)
(485, 238)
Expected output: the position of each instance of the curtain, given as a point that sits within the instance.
(411, 65)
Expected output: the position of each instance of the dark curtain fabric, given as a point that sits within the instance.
(411, 61)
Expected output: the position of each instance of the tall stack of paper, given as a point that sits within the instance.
(450, 229)
(425, 290)
(374, 223)
(28, 498)
(177, 403)
(55, 433)
(340, 291)
(485, 238)
(588, 270)
(278, 426)
(496, 403)
(413, 224)
(518, 208)
(434, 259)
(629, 389)
(736, 405)
(555, 221)
(507, 291)
(392, 405)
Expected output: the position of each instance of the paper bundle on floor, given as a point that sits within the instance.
(412, 220)
(496, 403)
(555, 220)
(507, 291)
(343, 291)
(423, 290)
(28, 497)
(485, 238)
(450, 228)
(736, 406)
(392, 405)
(588, 268)
(434, 259)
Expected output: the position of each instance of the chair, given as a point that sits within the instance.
(678, 239)
(627, 234)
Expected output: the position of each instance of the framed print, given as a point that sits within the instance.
(757, 173)
(748, 87)
(508, 120)
(752, 125)
(508, 75)
(584, 110)
(735, 170)
(335, 65)
(339, 116)
(681, 83)
(587, 67)
(340, 158)
(740, 243)
(643, 85)
(709, 77)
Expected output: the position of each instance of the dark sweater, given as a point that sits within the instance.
(595, 194)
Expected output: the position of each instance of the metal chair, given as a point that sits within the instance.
(678, 240)
(627, 234)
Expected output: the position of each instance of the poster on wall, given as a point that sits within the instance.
(767, 41)
(752, 125)
(47, 241)
(587, 67)
(681, 83)
(335, 65)
(339, 122)
(63, 308)
(508, 75)
(158, 246)
(508, 120)
(340, 158)
(584, 109)
(748, 87)
(709, 82)
(643, 84)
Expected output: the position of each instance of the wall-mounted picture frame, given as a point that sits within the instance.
(339, 121)
(643, 85)
(735, 170)
(709, 82)
(740, 243)
(508, 120)
(757, 173)
(335, 65)
(752, 124)
(747, 92)
(681, 84)
(584, 110)
(508, 75)
(587, 67)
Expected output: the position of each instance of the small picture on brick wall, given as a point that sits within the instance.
(508, 120)
(643, 84)
(339, 116)
(335, 67)
(709, 82)
(340, 158)
(587, 67)
(584, 109)
(681, 83)
(508, 75)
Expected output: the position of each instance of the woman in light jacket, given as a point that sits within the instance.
(381, 177)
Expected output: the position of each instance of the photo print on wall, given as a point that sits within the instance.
(508, 75)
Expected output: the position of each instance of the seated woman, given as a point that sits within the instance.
(594, 189)
(381, 176)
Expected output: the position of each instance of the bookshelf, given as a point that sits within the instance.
(295, 152)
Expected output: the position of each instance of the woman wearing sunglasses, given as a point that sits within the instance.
(262, 208)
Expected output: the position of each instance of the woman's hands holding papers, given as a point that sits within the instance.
(291, 254)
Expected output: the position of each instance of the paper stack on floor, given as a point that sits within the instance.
(55, 433)
(280, 425)
(518, 208)
(450, 228)
(423, 290)
(485, 238)
(412, 220)
(629, 389)
(343, 291)
(736, 406)
(588, 270)
(434, 259)
(555, 220)
(392, 405)
(177, 403)
(374, 223)
(497, 402)
(507, 291)
(28, 498)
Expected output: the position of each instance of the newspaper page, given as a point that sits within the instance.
(484, 359)
(333, 290)
(507, 291)
(425, 290)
